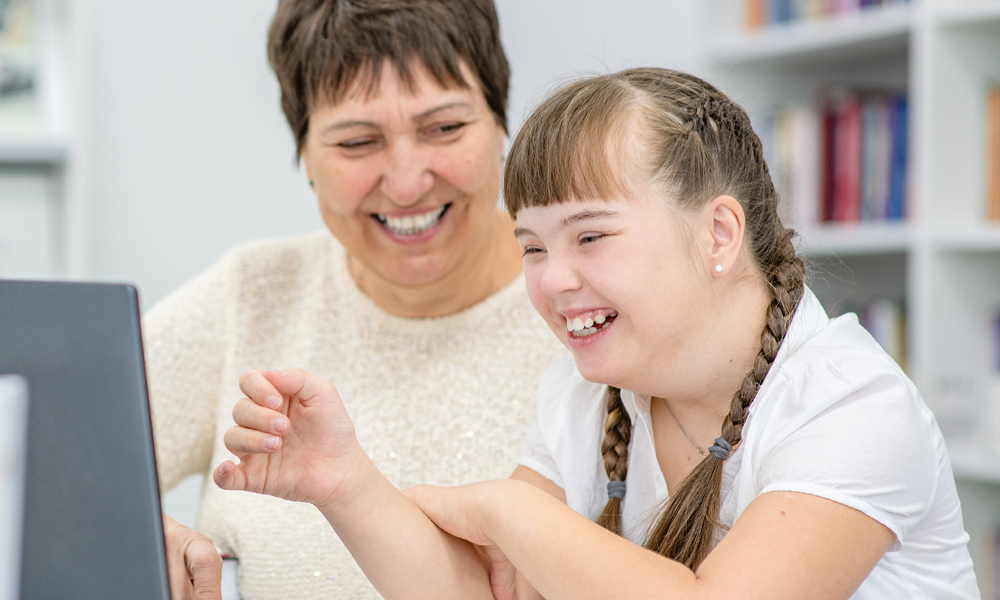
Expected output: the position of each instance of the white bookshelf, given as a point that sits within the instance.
(943, 260)
(41, 190)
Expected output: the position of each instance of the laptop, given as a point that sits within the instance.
(92, 527)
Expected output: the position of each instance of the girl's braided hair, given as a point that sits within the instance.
(697, 145)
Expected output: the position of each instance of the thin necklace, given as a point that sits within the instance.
(684, 431)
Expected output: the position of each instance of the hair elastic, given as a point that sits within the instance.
(616, 489)
(721, 449)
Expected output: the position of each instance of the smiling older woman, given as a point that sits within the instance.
(414, 306)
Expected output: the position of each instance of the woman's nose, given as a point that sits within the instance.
(408, 175)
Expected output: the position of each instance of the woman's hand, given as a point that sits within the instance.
(193, 563)
(293, 438)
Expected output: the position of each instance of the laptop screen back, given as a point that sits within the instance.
(92, 523)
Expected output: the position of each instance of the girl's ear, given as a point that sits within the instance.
(728, 222)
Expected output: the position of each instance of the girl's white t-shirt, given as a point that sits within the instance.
(835, 418)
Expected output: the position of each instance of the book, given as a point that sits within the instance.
(886, 322)
(898, 176)
(993, 154)
(845, 188)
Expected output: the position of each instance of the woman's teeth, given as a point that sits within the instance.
(411, 224)
(589, 325)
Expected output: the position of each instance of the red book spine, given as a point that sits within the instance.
(847, 160)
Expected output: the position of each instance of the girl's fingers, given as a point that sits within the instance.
(230, 476)
(260, 390)
(242, 441)
(301, 384)
(249, 414)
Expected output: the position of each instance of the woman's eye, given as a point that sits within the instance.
(445, 129)
(357, 143)
(590, 238)
(531, 250)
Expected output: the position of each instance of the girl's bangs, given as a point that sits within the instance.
(575, 146)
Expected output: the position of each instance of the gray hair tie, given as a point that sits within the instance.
(721, 449)
(616, 489)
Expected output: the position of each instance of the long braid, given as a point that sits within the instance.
(686, 529)
(614, 449)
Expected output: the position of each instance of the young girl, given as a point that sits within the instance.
(729, 439)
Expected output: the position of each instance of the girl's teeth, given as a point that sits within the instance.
(589, 326)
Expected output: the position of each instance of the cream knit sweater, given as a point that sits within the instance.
(444, 400)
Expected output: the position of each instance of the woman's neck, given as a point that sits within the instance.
(485, 270)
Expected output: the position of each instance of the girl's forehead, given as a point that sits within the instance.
(559, 216)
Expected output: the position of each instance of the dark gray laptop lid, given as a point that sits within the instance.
(92, 524)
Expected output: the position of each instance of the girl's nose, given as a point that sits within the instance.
(560, 276)
(408, 175)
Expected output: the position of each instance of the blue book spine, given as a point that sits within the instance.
(897, 181)
(781, 11)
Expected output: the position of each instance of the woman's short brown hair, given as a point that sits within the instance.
(319, 49)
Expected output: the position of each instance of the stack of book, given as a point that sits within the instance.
(844, 160)
(761, 13)
(864, 157)
(886, 321)
(993, 154)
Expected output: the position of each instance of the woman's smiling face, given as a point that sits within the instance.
(407, 177)
(619, 282)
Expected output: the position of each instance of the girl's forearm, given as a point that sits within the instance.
(566, 556)
(399, 549)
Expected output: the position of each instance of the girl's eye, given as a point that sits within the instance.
(590, 238)
(531, 250)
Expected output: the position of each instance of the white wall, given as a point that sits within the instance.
(188, 152)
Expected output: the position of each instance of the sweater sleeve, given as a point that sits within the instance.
(185, 337)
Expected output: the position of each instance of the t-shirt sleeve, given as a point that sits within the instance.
(185, 339)
(872, 449)
(536, 456)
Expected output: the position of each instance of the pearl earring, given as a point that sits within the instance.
(718, 268)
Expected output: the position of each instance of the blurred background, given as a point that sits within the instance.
(140, 140)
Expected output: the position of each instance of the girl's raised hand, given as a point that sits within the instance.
(293, 438)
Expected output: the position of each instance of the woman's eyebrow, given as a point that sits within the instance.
(349, 123)
(436, 109)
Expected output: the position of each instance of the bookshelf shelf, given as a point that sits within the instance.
(854, 33)
(984, 238)
(968, 12)
(853, 239)
(14, 154)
